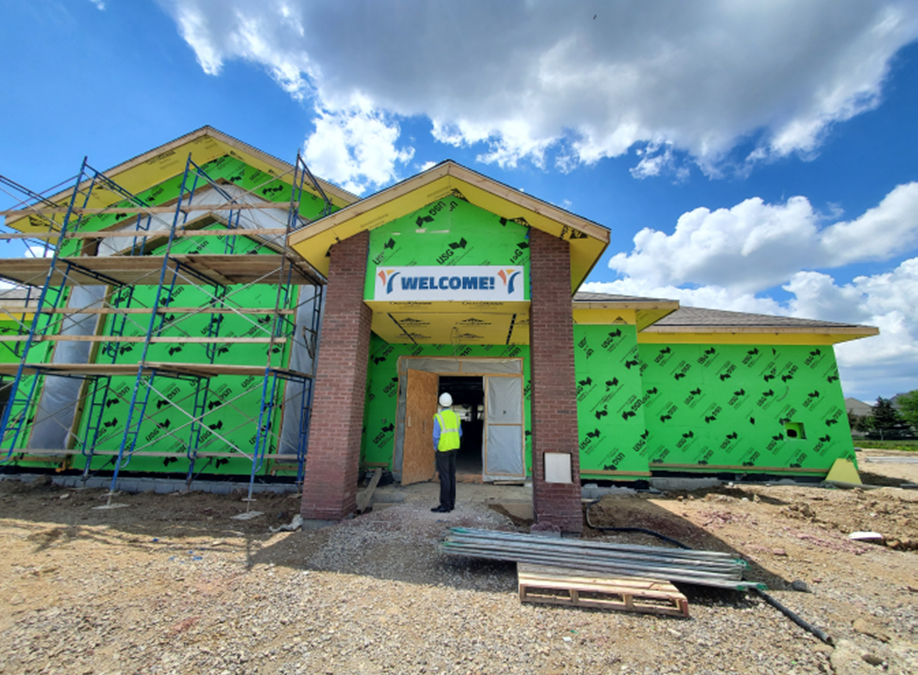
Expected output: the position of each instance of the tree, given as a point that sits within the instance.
(908, 407)
(886, 421)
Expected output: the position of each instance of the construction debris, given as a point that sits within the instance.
(706, 568)
(565, 586)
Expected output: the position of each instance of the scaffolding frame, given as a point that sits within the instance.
(220, 278)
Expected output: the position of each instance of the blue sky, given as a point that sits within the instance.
(748, 156)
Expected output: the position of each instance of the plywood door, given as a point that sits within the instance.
(420, 408)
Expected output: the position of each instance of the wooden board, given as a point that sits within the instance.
(184, 339)
(420, 407)
(130, 369)
(146, 270)
(579, 588)
(363, 498)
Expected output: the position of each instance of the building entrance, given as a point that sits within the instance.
(468, 403)
(488, 396)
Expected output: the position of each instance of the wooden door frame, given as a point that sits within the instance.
(403, 371)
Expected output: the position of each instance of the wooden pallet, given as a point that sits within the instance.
(580, 588)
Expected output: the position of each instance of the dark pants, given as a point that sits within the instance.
(446, 467)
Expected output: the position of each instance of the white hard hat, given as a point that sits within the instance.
(446, 400)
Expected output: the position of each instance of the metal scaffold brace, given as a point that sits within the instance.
(139, 252)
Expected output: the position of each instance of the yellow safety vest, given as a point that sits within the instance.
(449, 430)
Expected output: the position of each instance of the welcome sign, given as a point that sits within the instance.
(430, 283)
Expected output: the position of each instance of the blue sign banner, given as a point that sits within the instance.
(430, 283)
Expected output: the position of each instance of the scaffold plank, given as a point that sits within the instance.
(130, 369)
(204, 309)
(145, 270)
(187, 208)
(148, 234)
(140, 338)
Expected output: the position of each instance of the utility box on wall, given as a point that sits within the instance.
(557, 467)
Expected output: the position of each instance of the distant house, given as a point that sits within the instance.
(856, 407)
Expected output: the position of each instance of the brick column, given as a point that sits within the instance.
(330, 482)
(554, 394)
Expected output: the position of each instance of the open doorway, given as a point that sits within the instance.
(469, 404)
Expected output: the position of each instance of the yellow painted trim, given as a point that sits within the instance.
(15, 315)
(587, 239)
(166, 161)
(604, 316)
(751, 338)
(458, 323)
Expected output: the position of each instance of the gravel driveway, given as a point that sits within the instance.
(173, 584)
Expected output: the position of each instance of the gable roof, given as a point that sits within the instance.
(699, 320)
(165, 161)
(587, 239)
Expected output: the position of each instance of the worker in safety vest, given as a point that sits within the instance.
(446, 434)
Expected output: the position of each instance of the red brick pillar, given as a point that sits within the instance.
(330, 483)
(554, 394)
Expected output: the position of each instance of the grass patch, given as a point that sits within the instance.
(909, 446)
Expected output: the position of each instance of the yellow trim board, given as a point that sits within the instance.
(457, 323)
(605, 317)
(759, 337)
(843, 470)
(166, 161)
(587, 239)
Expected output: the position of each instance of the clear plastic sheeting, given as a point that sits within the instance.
(505, 400)
(503, 457)
(57, 404)
(492, 366)
(301, 361)
(249, 219)
(432, 365)
(461, 366)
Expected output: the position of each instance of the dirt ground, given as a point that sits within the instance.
(174, 584)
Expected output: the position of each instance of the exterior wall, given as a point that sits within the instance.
(610, 413)
(709, 406)
(554, 397)
(330, 485)
(705, 408)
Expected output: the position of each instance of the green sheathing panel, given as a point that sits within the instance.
(40, 353)
(732, 405)
(235, 422)
(378, 443)
(8, 352)
(610, 402)
(226, 169)
(448, 232)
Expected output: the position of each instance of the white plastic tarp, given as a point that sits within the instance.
(57, 404)
(504, 428)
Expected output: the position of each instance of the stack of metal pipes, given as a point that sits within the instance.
(705, 568)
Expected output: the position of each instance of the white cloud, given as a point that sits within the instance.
(100, 4)
(527, 78)
(883, 365)
(38, 251)
(726, 259)
(356, 147)
(754, 245)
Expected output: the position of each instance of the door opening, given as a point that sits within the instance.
(469, 405)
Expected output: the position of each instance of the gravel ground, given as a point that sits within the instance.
(173, 584)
